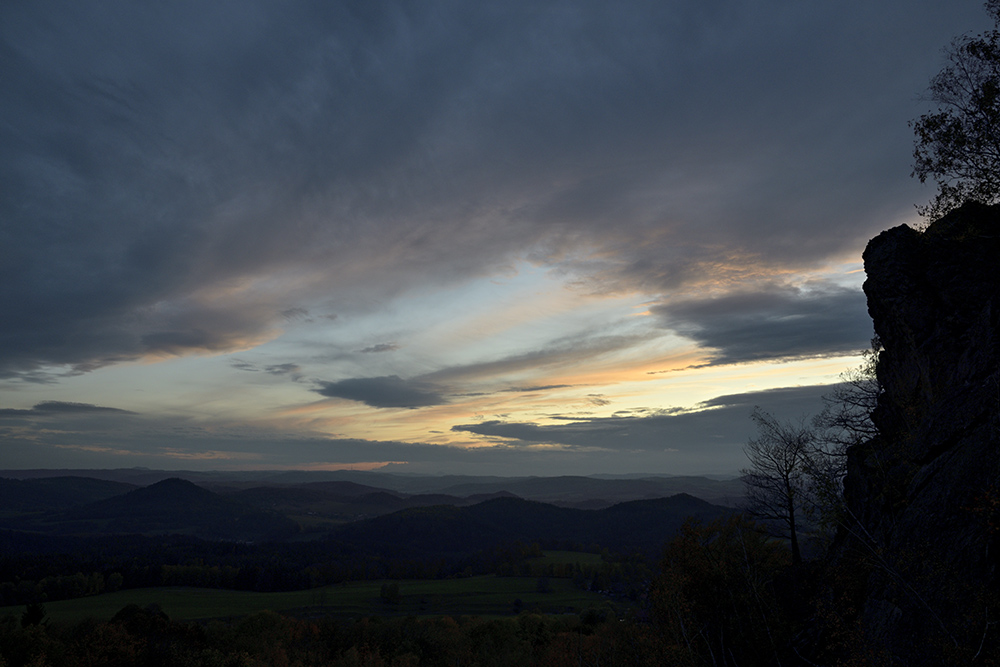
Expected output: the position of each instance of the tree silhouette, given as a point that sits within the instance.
(34, 614)
(777, 481)
(958, 145)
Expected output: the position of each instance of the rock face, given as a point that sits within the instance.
(924, 496)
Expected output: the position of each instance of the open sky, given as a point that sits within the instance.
(541, 237)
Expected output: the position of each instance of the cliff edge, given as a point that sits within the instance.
(923, 497)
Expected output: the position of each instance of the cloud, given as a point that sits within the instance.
(65, 407)
(178, 179)
(178, 342)
(719, 427)
(565, 351)
(674, 441)
(773, 321)
(390, 391)
(381, 347)
(57, 408)
(528, 390)
(292, 370)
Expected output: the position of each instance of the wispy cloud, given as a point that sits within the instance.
(291, 370)
(719, 426)
(564, 352)
(380, 347)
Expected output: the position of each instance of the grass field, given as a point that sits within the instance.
(485, 595)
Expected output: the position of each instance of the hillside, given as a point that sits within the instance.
(637, 525)
(323, 504)
(55, 493)
(169, 506)
(363, 516)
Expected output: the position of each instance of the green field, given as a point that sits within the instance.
(485, 595)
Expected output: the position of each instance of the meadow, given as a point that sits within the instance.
(484, 595)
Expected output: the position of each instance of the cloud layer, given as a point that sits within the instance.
(178, 177)
(302, 222)
(706, 441)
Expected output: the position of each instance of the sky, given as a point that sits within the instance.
(518, 238)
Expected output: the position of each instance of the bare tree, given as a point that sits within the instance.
(777, 481)
(796, 473)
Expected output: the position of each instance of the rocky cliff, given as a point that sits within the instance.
(923, 497)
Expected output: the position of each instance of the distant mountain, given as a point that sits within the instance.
(171, 506)
(572, 491)
(342, 502)
(644, 525)
(342, 488)
(55, 493)
(366, 517)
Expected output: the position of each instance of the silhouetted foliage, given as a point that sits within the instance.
(958, 145)
(845, 422)
(34, 614)
(846, 417)
(714, 601)
(138, 636)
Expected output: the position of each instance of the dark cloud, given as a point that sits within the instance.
(528, 390)
(241, 365)
(773, 322)
(65, 407)
(785, 402)
(58, 408)
(288, 369)
(381, 347)
(390, 391)
(167, 167)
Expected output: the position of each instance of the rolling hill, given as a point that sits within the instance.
(169, 506)
(637, 525)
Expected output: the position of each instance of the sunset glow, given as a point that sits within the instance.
(417, 237)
